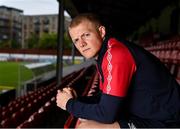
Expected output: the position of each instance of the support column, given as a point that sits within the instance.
(60, 38)
(73, 53)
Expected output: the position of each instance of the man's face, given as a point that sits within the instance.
(87, 38)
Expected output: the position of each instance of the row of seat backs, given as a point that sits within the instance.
(92, 85)
(33, 100)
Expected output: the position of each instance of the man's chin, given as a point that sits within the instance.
(89, 57)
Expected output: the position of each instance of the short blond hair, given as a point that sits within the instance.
(94, 19)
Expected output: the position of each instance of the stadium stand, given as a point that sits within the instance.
(168, 51)
(30, 110)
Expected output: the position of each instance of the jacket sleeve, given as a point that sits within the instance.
(90, 99)
(105, 111)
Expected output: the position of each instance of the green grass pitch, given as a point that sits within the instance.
(12, 74)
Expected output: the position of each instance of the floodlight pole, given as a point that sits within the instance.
(60, 38)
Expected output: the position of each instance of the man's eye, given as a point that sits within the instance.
(87, 34)
(75, 41)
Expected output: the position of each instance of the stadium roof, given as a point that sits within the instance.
(122, 16)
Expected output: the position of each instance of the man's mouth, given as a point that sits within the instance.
(86, 49)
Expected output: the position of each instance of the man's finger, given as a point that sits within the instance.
(67, 90)
(74, 93)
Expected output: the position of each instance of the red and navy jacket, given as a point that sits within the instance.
(133, 82)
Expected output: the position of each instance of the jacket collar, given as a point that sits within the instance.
(103, 49)
(101, 55)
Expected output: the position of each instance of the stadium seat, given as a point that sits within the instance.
(178, 45)
(174, 55)
(70, 122)
(7, 123)
(5, 114)
(26, 124)
(17, 118)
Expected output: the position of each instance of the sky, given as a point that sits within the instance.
(33, 7)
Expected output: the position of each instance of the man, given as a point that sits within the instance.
(136, 89)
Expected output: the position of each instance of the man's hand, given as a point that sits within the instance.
(70, 91)
(63, 96)
(90, 124)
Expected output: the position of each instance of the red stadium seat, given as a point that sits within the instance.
(174, 55)
(7, 123)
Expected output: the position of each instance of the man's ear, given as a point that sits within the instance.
(102, 31)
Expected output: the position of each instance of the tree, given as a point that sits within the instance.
(15, 44)
(5, 44)
(32, 42)
(48, 41)
(67, 41)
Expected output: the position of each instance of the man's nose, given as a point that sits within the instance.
(82, 43)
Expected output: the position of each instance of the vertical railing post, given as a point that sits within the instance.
(60, 38)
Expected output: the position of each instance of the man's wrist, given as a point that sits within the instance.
(68, 104)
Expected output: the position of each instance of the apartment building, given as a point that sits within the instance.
(14, 25)
(11, 25)
(39, 24)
